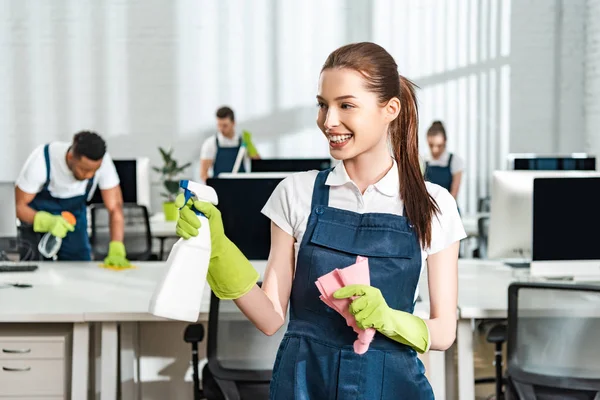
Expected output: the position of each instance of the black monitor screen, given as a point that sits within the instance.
(290, 164)
(240, 202)
(555, 164)
(126, 169)
(565, 216)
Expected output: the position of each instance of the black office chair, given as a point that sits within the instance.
(483, 204)
(495, 333)
(194, 334)
(553, 342)
(226, 377)
(137, 238)
(483, 228)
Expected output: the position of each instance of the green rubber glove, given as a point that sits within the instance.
(230, 274)
(247, 138)
(55, 224)
(117, 257)
(371, 311)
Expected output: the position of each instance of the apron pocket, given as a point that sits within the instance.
(367, 241)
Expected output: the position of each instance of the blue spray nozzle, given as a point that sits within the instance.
(188, 194)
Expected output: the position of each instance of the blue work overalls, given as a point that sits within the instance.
(440, 175)
(225, 158)
(76, 245)
(316, 360)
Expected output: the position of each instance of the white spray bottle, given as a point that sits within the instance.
(179, 293)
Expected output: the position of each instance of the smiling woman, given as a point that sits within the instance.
(373, 204)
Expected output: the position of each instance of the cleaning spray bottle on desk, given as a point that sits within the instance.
(179, 293)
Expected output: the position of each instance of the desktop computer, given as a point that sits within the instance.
(134, 175)
(566, 217)
(241, 199)
(289, 164)
(536, 162)
(511, 213)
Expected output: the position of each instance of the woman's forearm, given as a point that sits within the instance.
(442, 333)
(261, 311)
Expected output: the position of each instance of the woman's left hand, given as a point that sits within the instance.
(371, 311)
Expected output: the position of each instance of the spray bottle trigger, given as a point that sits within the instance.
(188, 195)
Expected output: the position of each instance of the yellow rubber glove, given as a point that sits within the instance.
(230, 274)
(371, 311)
(117, 257)
(55, 224)
(247, 139)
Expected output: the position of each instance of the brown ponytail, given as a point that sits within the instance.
(420, 206)
(380, 72)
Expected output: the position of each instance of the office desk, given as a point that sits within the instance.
(162, 230)
(81, 293)
(483, 293)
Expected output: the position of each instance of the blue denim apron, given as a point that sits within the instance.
(316, 359)
(76, 245)
(440, 175)
(225, 158)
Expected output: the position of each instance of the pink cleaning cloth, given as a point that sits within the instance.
(327, 284)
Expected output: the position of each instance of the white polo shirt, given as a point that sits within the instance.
(209, 148)
(457, 165)
(63, 184)
(290, 204)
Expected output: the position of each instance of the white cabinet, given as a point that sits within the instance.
(35, 361)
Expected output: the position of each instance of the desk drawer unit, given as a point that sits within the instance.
(20, 350)
(32, 378)
(34, 366)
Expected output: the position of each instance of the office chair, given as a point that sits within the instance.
(553, 342)
(194, 334)
(483, 204)
(496, 333)
(226, 377)
(483, 228)
(137, 238)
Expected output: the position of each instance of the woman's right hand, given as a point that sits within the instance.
(189, 223)
(230, 274)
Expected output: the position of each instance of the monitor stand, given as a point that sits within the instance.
(578, 270)
(518, 264)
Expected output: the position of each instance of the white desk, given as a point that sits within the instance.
(160, 227)
(81, 293)
(483, 293)
(162, 230)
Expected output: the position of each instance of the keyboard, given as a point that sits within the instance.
(17, 267)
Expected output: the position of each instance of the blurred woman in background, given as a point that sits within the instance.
(441, 167)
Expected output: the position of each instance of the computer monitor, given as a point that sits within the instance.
(134, 175)
(241, 199)
(8, 216)
(511, 212)
(566, 216)
(536, 162)
(289, 164)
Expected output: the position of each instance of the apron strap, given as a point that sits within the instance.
(89, 186)
(320, 195)
(47, 159)
(450, 161)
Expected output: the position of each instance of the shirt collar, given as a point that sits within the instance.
(389, 185)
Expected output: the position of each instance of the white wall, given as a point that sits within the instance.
(547, 76)
(592, 77)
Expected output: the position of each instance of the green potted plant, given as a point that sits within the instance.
(168, 175)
